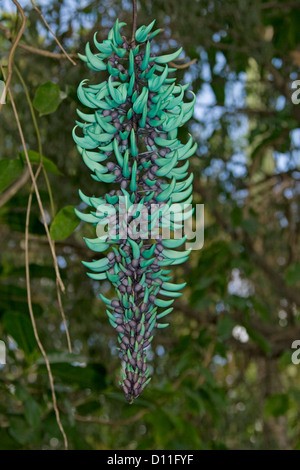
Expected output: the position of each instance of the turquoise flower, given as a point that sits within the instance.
(129, 140)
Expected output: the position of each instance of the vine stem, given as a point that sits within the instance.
(134, 17)
(34, 326)
(14, 46)
(34, 188)
(50, 30)
(38, 136)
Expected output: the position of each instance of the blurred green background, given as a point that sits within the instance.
(223, 375)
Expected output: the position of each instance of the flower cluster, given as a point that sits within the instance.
(130, 140)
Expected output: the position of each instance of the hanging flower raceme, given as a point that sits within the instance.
(130, 140)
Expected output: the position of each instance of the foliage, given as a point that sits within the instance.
(223, 375)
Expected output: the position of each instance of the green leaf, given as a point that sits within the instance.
(292, 274)
(225, 327)
(7, 442)
(89, 407)
(21, 433)
(10, 170)
(47, 98)
(35, 157)
(259, 339)
(277, 404)
(162, 426)
(64, 223)
(58, 357)
(32, 412)
(36, 271)
(266, 142)
(218, 86)
(32, 409)
(14, 299)
(250, 225)
(262, 309)
(90, 376)
(236, 216)
(268, 163)
(12, 216)
(19, 327)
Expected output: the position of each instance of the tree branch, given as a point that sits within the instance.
(290, 293)
(14, 46)
(182, 66)
(280, 5)
(15, 187)
(50, 30)
(35, 50)
(121, 422)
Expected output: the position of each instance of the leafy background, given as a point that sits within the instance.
(222, 372)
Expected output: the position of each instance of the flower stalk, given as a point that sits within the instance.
(129, 141)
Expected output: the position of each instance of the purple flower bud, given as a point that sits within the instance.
(127, 383)
(120, 329)
(162, 152)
